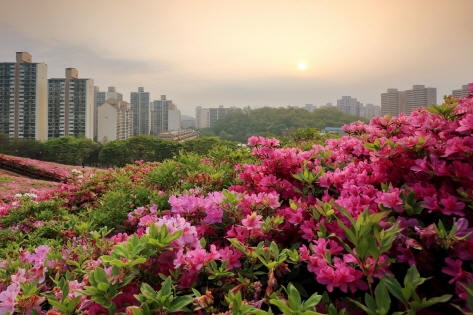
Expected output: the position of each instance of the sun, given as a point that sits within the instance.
(302, 65)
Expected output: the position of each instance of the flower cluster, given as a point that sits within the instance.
(366, 219)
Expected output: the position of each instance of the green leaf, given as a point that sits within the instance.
(179, 303)
(103, 286)
(383, 301)
(99, 275)
(312, 301)
(293, 297)
(282, 306)
(394, 288)
(61, 307)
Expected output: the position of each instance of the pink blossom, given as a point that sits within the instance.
(390, 199)
(252, 221)
(8, 298)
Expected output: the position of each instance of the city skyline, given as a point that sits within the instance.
(242, 53)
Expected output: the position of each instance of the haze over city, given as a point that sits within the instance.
(247, 53)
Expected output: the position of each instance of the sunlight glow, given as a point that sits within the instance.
(302, 65)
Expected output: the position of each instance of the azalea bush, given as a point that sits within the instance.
(376, 222)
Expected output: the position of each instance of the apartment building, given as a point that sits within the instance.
(24, 98)
(140, 105)
(419, 96)
(115, 120)
(369, 111)
(349, 105)
(71, 106)
(100, 98)
(394, 102)
(160, 115)
(461, 93)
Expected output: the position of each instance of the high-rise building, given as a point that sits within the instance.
(349, 105)
(310, 107)
(115, 120)
(140, 105)
(419, 96)
(369, 111)
(392, 102)
(208, 117)
(218, 113)
(160, 115)
(461, 93)
(100, 98)
(71, 106)
(202, 117)
(174, 120)
(24, 98)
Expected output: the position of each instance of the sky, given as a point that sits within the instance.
(247, 52)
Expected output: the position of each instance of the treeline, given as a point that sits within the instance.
(84, 151)
(244, 123)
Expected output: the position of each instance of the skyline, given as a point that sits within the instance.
(243, 53)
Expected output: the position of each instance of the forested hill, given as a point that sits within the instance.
(244, 123)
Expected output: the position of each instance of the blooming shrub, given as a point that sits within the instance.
(376, 222)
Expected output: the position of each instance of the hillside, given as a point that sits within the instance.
(244, 123)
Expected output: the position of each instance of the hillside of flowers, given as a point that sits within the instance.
(376, 222)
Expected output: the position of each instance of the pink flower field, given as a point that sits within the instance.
(377, 222)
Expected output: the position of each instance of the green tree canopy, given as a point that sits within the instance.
(244, 123)
(69, 150)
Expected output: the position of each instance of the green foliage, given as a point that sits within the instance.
(294, 304)
(164, 301)
(69, 150)
(244, 123)
(407, 295)
(114, 153)
(203, 145)
(65, 304)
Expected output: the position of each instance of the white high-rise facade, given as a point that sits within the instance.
(71, 106)
(174, 122)
(115, 120)
(140, 105)
(24, 98)
(202, 117)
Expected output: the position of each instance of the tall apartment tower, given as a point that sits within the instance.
(419, 96)
(71, 106)
(369, 111)
(463, 92)
(202, 118)
(160, 115)
(349, 105)
(115, 120)
(100, 98)
(140, 105)
(216, 113)
(174, 121)
(394, 102)
(391, 102)
(24, 98)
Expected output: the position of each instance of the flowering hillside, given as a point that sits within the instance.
(377, 222)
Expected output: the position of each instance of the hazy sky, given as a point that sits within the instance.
(247, 52)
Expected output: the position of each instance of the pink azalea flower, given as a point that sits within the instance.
(252, 221)
(8, 299)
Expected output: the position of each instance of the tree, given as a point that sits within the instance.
(114, 153)
(69, 150)
(200, 145)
